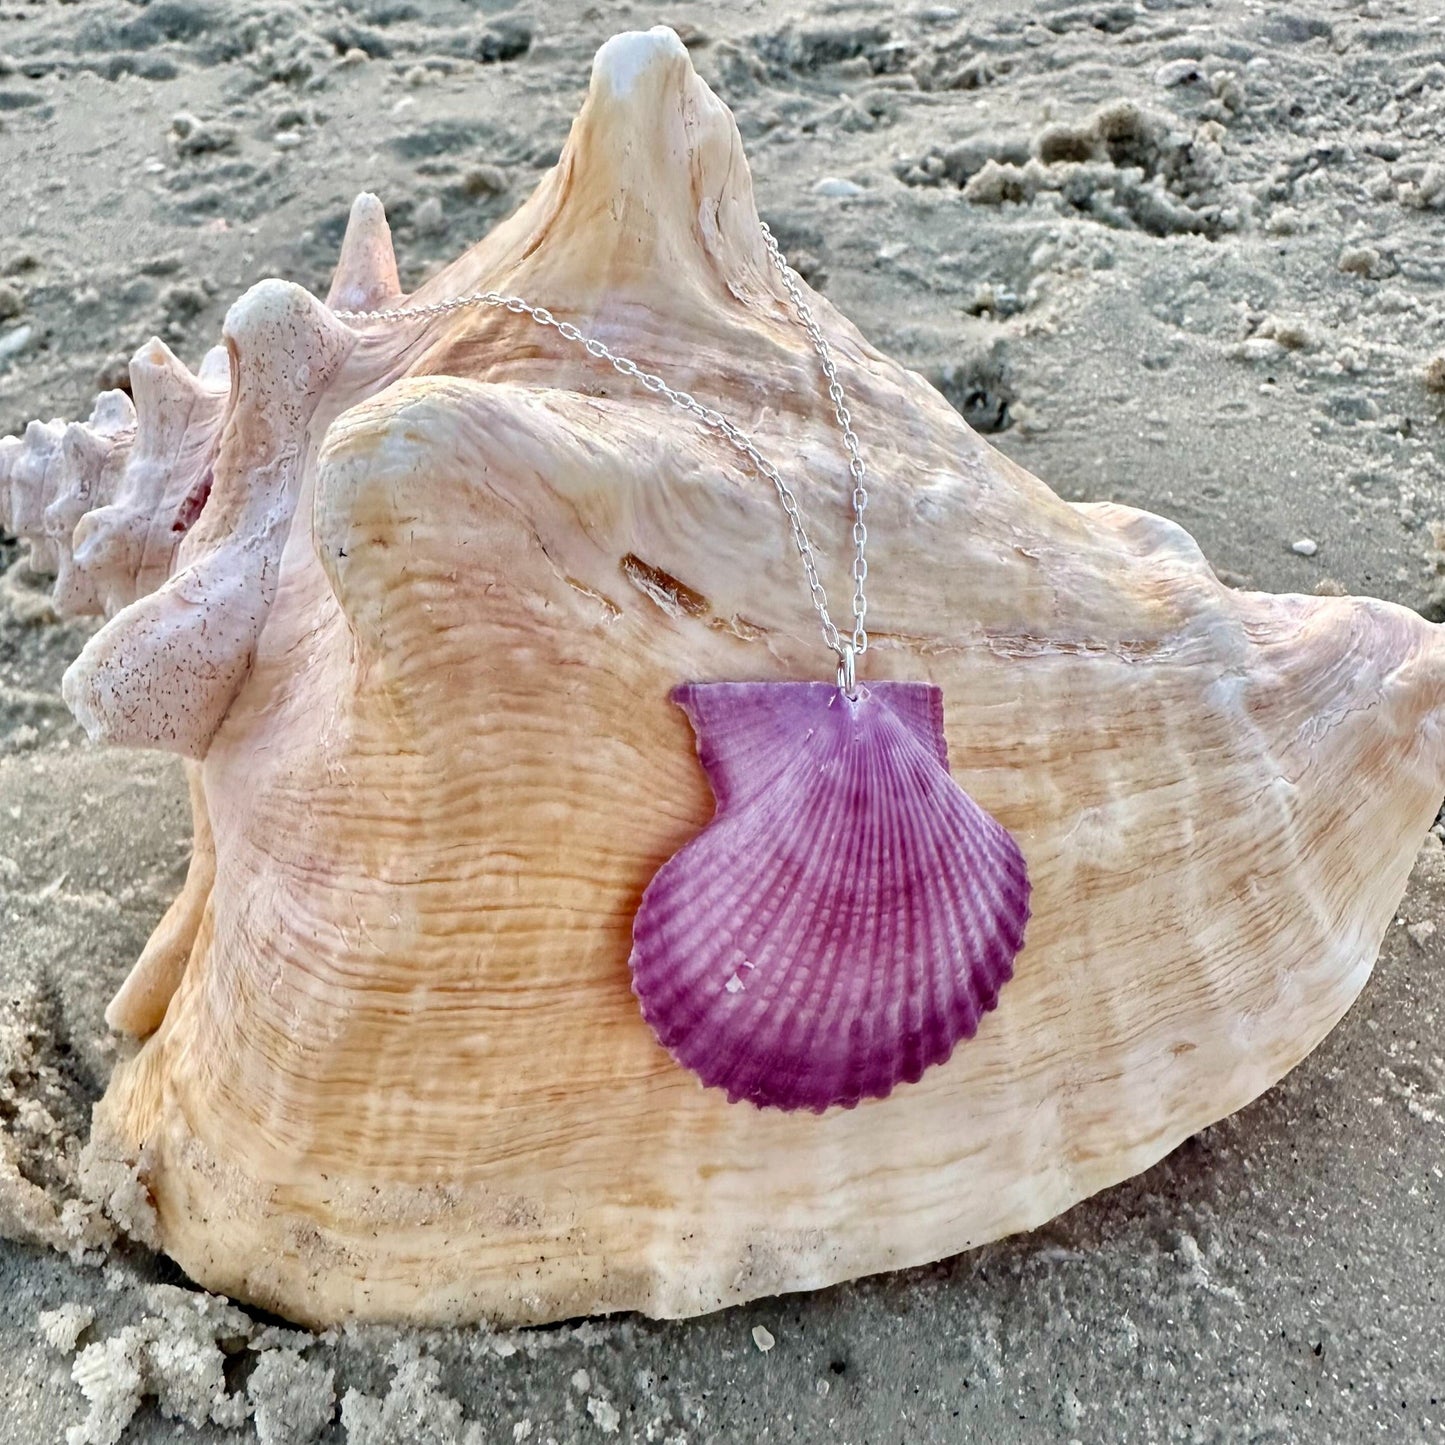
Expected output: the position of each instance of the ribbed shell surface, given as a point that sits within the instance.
(849, 914)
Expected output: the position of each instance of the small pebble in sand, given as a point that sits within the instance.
(1433, 374)
(605, 1413)
(1227, 91)
(1305, 547)
(1178, 72)
(581, 1381)
(485, 180)
(1260, 348)
(1427, 193)
(1291, 334)
(14, 342)
(1362, 261)
(429, 218)
(837, 186)
(192, 136)
(12, 303)
(1380, 186)
(763, 1338)
(1393, 302)
(1422, 932)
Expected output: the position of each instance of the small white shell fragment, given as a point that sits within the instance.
(63, 1326)
(1305, 547)
(763, 1338)
(1260, 348)
(1178, 72)
(605, 1413)
(14, 342)
(837, 186)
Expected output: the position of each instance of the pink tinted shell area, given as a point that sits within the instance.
(848, 915)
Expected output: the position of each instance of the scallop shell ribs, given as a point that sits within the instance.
(849, 915)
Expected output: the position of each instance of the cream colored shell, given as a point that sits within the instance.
(419, 647)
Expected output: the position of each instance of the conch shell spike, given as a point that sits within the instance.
(214, 373)
(366, 276)
(127, 547)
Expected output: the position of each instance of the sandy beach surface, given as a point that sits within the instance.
(1234, 327)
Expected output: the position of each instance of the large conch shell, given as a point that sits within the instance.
(418, 645)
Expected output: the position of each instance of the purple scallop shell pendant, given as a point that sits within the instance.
(848, 915)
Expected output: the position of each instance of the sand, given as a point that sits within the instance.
(1186, 256)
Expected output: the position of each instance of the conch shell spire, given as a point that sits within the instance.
(418, 645)
(662, 187)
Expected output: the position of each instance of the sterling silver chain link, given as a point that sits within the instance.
(847, 649)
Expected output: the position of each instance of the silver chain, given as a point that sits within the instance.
(848, 649)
